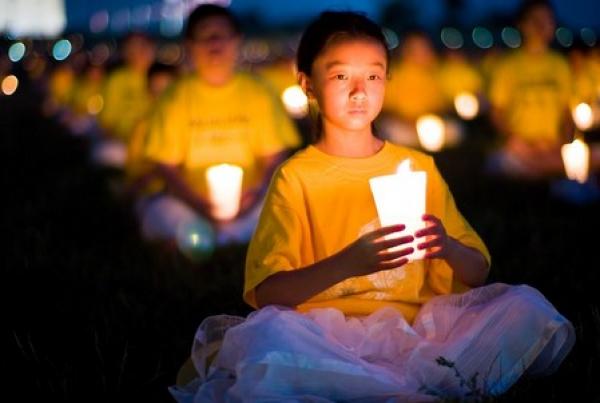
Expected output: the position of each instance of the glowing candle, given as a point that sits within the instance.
(430, 129)
(225, 189)
(466, 105)
(295, 101)
(400, 199)
(583, 116)
(576, 157)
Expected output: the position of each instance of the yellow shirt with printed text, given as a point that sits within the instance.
(197, 125)
(534, 93)
(318, 204)
(126, 101)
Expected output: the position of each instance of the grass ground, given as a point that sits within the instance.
(95, 314)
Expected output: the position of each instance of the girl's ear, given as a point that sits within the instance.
(306, 84)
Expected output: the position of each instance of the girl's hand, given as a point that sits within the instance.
(370, 253)
(435, 238)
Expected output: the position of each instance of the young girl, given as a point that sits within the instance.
(342, 314)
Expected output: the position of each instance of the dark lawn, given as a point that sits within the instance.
(95, 314)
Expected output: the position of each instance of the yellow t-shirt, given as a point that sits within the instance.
(534, 92)
(413, 91)
(197, 125)
(458, 76)
(318, 204)
(126, 101)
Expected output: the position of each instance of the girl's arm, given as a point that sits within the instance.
(469, 265)
(366, 255)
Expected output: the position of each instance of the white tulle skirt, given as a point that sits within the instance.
(469, 345)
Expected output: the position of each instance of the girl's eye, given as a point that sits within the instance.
(374, 77)
(340, 76)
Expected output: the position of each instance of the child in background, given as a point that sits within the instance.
(212, 116)
(341, 312)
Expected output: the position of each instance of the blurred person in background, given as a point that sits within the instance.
(529, 94)
(85, 101)
(141, 177)
(414, 90)
(212, 116)
(126, 99)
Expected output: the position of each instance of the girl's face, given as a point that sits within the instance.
(348, 83)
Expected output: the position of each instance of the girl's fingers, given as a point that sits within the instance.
(383, 231)
(431, 217)
(389, 256)
(431, 230)
(390, 243)
(429, 243)
(435, 252)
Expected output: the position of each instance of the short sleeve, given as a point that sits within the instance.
(278, 241)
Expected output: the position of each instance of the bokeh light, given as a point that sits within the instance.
(583, 116)
(452, 38)
(430, 129)
(295, 101)
(16, 51)
(482, 37)
(196, 240)
(511, 37)
(95, 103)
(466, 105)
(61, 49)
(588, 36)
(99, 21)
(391, 38)
(564, 37)
(10, 84)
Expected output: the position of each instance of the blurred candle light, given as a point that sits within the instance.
(583, 116)
(295, 101)
(401, 199)
(10, 84)
(431, 132)
(95, 103)
(466, 105)
(225, 189)
(576, 157)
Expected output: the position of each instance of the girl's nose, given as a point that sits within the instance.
(358, 91)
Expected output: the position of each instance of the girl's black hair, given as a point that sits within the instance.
(331, 26)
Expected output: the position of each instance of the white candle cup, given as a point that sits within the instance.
(401, 199)
(225, 190)
(466, 105)
(576, 158)
(431, 132)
